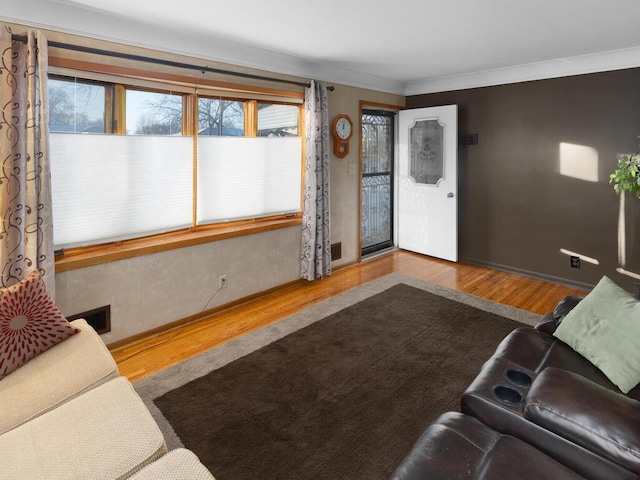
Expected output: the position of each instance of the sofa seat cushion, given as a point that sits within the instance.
(178, 464)
(607, 423)
(106, 433)
(535, 350)
(63, 372)
(459, 446)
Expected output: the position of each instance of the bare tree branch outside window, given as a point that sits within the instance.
(76, 106)
(220, 117)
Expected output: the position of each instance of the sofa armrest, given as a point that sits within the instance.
(588, 414)
(548, 324)
(54, 377)
(550, 321)
(565, 306)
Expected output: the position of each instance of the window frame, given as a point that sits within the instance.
(192, 89)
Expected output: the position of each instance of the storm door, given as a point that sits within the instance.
(377, 181)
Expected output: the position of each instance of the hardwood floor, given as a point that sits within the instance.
(151, 354)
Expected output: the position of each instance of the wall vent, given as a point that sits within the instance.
(99, 318)
(336, 251)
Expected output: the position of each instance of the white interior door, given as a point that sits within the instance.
(428, 181)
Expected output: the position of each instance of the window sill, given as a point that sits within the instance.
(87, 257)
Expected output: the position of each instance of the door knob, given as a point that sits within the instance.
(450, 195)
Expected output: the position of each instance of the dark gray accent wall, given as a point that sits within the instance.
(517, 211)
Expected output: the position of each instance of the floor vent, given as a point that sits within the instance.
(98, 318)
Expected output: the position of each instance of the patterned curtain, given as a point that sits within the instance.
(26, 234)
(316, 235)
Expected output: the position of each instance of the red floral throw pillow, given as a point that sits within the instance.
(30, 323)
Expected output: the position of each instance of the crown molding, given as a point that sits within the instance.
(564, 67)
(62, 17)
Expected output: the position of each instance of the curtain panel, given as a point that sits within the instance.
(316, 234)
(26, 233)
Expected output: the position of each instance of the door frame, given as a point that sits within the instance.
(364, 105)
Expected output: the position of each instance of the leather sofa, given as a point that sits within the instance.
(535, 398)
(458, 446)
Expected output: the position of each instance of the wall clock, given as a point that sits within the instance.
(342, 131)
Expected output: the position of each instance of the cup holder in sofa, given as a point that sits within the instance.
(507, 395)
(518, 377)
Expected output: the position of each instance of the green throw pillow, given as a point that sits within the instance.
(605, 329)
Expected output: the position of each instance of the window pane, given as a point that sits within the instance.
(152, 113)
(277, 120)
(76, 106)
(247, 177)
(115, 187)
(220, 117)
(377, 143)
(426, 152)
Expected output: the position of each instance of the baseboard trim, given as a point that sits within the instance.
(529, 273)
(200, 315)
(379, 253)
(212, 311)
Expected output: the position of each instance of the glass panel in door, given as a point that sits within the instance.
(377, 181)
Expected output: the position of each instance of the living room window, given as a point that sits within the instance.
(277, 120)
(78, 106)
(221, 117)
(154, 160)
(153, 113)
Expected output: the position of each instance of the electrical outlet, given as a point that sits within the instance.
(222, 281)
(575, 262)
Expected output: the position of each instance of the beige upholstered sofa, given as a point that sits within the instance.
(67, 414)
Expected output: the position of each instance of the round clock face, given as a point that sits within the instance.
(343, 128)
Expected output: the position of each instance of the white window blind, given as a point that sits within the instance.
(114, 187)
(247, 177)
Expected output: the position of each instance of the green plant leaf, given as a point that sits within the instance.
(627, 176)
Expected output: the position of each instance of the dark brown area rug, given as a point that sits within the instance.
(342, 398)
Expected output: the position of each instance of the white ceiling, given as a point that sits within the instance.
(406, 46)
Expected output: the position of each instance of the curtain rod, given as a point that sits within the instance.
(168, 63)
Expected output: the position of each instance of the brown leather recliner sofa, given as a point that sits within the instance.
(537, 409)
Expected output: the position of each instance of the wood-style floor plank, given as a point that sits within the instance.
(156, 352)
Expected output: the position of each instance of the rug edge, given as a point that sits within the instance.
(175, 376)
(230, 351)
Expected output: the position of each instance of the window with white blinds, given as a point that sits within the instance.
(131, 166)
(116, 187)
(247, 177)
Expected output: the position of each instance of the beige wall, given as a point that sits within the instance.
(345, 210)
(153, 290)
